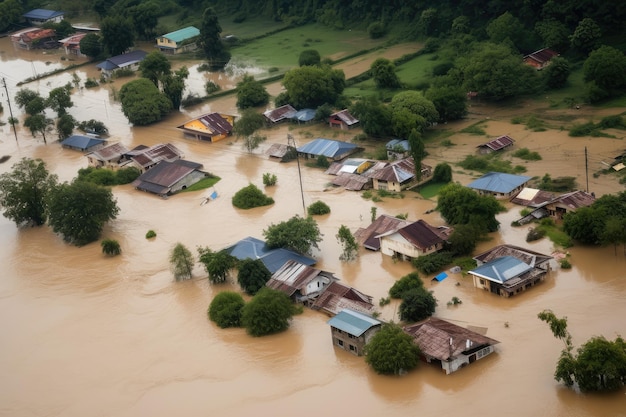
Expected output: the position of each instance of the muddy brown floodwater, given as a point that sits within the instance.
(85, 335)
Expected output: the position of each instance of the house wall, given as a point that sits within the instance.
(386, 185)
(502, 196)
(482, 283)
(97, 163)
(188, 181)
(395, 244)
(167, 43)
(463, 360)
(350, 343)
(316, 285)
(40, 22)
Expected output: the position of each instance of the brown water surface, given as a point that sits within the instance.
(86, 335)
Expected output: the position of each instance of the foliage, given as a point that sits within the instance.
(111, 247)
(11, 12)
(411, 105)
(461, 205)
(211, 87)
(474, 129)
(93, 126)
(462, 241)
(217, 264)
(269, 179)
(417, 151)
(506, 29)
(455, 301)
(181, 262)
(417, 304)
(225, 309)
(298, 234)
(143, 103)
(155, 67)
(117, 34)
(312, 86)
(376, 30)
(144, 17)
(534, 234)
(527, 155)
(404, 284)
(557, 72)
(65, 126)
(268, 312)
(91, 45)
(309, 57)
(249, 122)
(59, 99)
(150, 234)
(565, 264)
(442, 173)
(374, 117)
(555, 34)
(586, 35)
(322, 162)
(252, 275)
(25, 96)
(103, 176)
(250, 143)
(38, 123)
(392, 351)
(210, 40)
(79, 211)
(23, 192)
(318, 208)
(600, 223)
(250, 197)
(349, 246)
(606, 69)
(432, 262)
(173, 86)
(559, 184)
(489, 163)
(384, 73)
(450, 102)
(251, 93)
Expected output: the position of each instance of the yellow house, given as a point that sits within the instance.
(210, 127)
(182, 40)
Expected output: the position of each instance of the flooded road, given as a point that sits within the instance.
(86, 335)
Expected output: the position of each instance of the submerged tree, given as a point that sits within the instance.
(268, 312)
(392, 351)
(348, 244)
(252, 275)
(181, 262)
(217, 264)
(225, 309)
(210, 40)
(111, 247)
(298, 234)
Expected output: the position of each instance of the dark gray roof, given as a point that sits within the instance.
(273, 259)
(328, 147)
(164, 175)
(123, 60)
(81, 142)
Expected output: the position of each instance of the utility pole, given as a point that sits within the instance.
(292, 142)
(586, 169)
(4, 84)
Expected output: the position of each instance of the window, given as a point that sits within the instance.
(339, 342)
(352, 348)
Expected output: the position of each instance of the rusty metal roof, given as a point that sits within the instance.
(346, 117)
(498, 143)
(294, 276)
(337, 296)
(542, 56)
(423, 235)
(113, 151)
(280, 113)
(368, 237)
(214, 122)
(575, 199)
(443, 340)
(154, 154)
(526, 255)
(352, 182)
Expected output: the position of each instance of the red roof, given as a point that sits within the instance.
(345, 117)
(541, 56)
(498, 143)
(422, 235)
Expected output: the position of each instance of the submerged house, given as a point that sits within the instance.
(497, 144)
(397, 149)
(279, 114)
(343, 120)
(127, 61)
(210, 127)
(281, 152)
(399, 175)
(337, 296)
(71, 44)
(179, 41)
(351, 330)
(38, 17)
(302, 283)
(167, 178)
(145, 157)
(369, 237)
(499, 185)
(507, 270)
(334, 150)
(558, 207)
(273, 259)
(32, 38)
(108, 157)
(83, 143)
(349, 173)
(448, 345)
(414, 240)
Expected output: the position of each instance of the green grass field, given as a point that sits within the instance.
(430, 189)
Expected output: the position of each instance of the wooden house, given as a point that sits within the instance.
(369, 237)
(397, 149)
(281, 152)
(302, 283)
(272, 258)
(507, 270)
(416, 239)
(127, 61)
(343, 120)
(333, 150)
(337, 296)
(448, 345)
(279, 114)
(210, 127)
(540, 59)
(499, 185)
(108, 157)
(167, 178)
(351, 330)
(558, 207)
(498, 144)
(399, 175)
(71, 44)
(32, 38)
(37, 17)
(349, 173)
(179, 41)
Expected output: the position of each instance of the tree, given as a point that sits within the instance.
(463, 239)
(79, 211)
(374, 116)
(614, 231)
(318, 208)
(450, 102)
(174, 85)
(557, 72)
(210, 40)
(252, 275)
(38, 123)
(461, 205)
(251, 197)
(313, 86)
(442, 173)
(417, 151)
(506, 28)
(65, 126)
(91, 45)
(23, 192)
(408, 282)
(555, 34)
(155, 67)
(217, 264)
(417, 304)
(384, 73)
(25, 96)
(251, 93)
(392, 351)
(309, 57)
(249, 122)
(414, 105)
(586, 36)
(93, 126)
(606, 68)
(225, 309)
(11, 12)
(584, 225)
(267, 313)
(143, 103)
(111, 247)
(144, 17)
(59, 100)
(117, 34)
(62, 29)
(181, 262)
(348, 244)
(297, 233)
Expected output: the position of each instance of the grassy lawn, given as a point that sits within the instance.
(430, 189)
(418, 71)
(202, 184)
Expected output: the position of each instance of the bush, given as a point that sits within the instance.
(565, 264)
(322, 162)
(442, 173)
(534, 234)
(111, 247)
(126, 175)
(211, 87)
(404, 284)
(268, 312)
(225, 309)
(250, 197)
(318, 208)
(269, 179)
(527, 155)
(417, 304)
(392, 351)
(150, 234)
(376, 30)
(433, 262)
(91, 83)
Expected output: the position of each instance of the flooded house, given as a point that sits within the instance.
(107, 157)
(338, 296)
(448, 345)
(343, 119)
(167, 178)
(416, 239)
(397, 149)
(71, 44)
(333, 150)
(38, 17)
(498, 144)
(399, 175)
(179, 41)
(279, 114)
(32, 38)
(351, 330)
(499, 184)
(302, 283)
(369, 237)
(210, 127)
(83, 143)
(507, 270)
(128, 61)
(145, 157)
(272, 258)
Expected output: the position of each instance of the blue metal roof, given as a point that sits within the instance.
(304, 115)
(81, 142)
(502, 269)
(353, 322)
(273, 259)
(327, 147)
(498, 182)
(404, 143)
(182, 34)
(441, 277)
(123, 60)
(42, 14)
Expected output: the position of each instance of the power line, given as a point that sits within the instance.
(12, 120)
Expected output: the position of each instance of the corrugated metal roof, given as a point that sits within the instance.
(526, 255)
(123, 60)
(353, 322)
(273, 259)
(304, 115)
(294, 276)
(498, 182)
(337, 296)
(82, 142)
(166, 174)
(368, 237)
(498, 143)
(154, 154)
(502, 269)
(42, 14)
(394, 143)
(280, 113)
(346, 117)
(328, 147)
(113, 151)
(421, 234)
(182, 34)
(215, 123)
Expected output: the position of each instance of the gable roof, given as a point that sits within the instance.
(273, 259)
(328, 147)
(498, 182)
(526, 255)
(337, 296)
(399, 171)
(541, 56)
(82, 142)
(113, 151)
(146, 156)
(304, 115)
(443, 340)
(164, 175)
(575, 199)
(73, 39)
(293, 276)
(353, 322)
(498, 143)
(395, 143)
(123, 60)
(368, 237)
(42, 14)
(502, 269)
(346, 117)
(280, 113)
(533, 197)
(182, 34)
(420, 234)
(214, 122)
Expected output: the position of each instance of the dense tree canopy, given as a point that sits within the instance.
(11, 12)
(312, 86)
(155, 67)
(251, 93)
(252, 275)
(374, 116)
(417, 304)
(298, 234)
(79, 210)
(404, 284)
(392, 351)
(384, 73)
(91, 45)
(23, 192)
(143, 103)
(461, 205)
(268, 312)
(210, 40)
(249, 122)
(411, 110)
(586, 36)
(309, 57)
(59, 100)
(217, 264)
(606, 69)
(225, 309)
(117, 34)
(450, 102)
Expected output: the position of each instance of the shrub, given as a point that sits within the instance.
(322, 162)
(565, 263)
(534, 234)
(211, 87)
(250, 197)
(225, 309)
(150, 234)
(442, 173)
(91, 83)
(433, 262)
(111, 247)
(376, 30)
(527, 155)
(126, 175)
(269, 179)
(318, 208)
(272, 69)
(407, 282)
(417, 304)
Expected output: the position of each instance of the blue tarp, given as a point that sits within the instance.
(441, 277)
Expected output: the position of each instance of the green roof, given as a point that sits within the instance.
(353, 322)
(182, 34)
